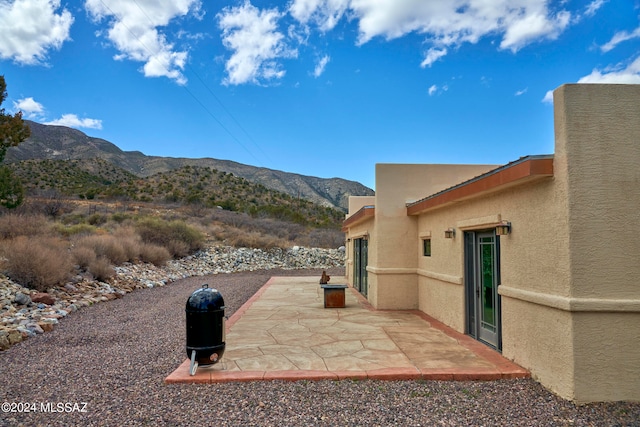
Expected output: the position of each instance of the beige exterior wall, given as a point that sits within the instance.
(599, 128)
(359, 230)
(392, 254)
(569, 267)
(358, 202)
(533, 261)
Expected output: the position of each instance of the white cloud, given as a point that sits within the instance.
(252, 35)
(451, 23)
(433, 54)
(521, 92)
(72, 120)
(618, 74)
(593, 7)
(435, 89)
(134, 32)
(324, 13)
(320, 66)
(530, 27)
(620, 37)
(29, 29)
(621, 73)
(29, 107)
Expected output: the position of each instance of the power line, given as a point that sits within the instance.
(226, 110)
(189, 91)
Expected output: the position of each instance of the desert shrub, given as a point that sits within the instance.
(177, 248)
(74, 218)
(83, 256)
(104, 246)
(101, 269)
(179, 238)
(157, 255)
(252, 239)
(97, 219)
(324, 238)
(38, 263)
(45, 204)
(74, 230)
(120, 217)
(12, 225)
(130, 242)
(267, 226)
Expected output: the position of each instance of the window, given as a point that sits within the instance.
(426, 247)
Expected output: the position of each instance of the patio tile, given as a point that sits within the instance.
(284, 332)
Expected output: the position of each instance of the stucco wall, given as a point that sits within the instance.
(393, 264)
(533, 261)
(602, 135)
(607, 356)
(540, 338)
(569, 267)
(358, 230)
(598, 126)
(358, 202)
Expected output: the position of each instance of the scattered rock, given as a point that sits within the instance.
(19, 319)
(43, 298)
(22, 299)
(14, 337)
(46, 326)
(35, 328)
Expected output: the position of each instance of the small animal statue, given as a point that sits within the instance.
(325, 278)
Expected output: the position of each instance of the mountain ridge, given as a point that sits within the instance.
(64, 143)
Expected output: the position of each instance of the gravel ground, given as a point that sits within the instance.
(114, 357)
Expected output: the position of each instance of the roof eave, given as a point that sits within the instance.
(525, 170)
(364, 213)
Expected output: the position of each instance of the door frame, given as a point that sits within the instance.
(360, 261)
(474, 287)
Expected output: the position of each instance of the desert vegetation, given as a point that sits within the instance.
(65, 217)
(47, 240)
(199, 188)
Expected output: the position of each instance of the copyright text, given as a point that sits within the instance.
(20, 407)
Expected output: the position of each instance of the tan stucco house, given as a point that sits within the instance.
(538, 258)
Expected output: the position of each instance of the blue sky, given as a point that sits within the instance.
(326, 88)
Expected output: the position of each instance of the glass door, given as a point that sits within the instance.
(360, 256)
(481, 282)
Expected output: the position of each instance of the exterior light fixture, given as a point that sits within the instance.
(503, 228)
(449, 233)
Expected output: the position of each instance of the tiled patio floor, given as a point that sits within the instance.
(284, 332)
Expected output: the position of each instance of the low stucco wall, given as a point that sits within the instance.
(433, 291)
(394, 289)
(607, 356)
(540, 338)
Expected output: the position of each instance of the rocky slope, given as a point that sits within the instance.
(25, 313)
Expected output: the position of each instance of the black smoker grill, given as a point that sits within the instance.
(205, 327)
